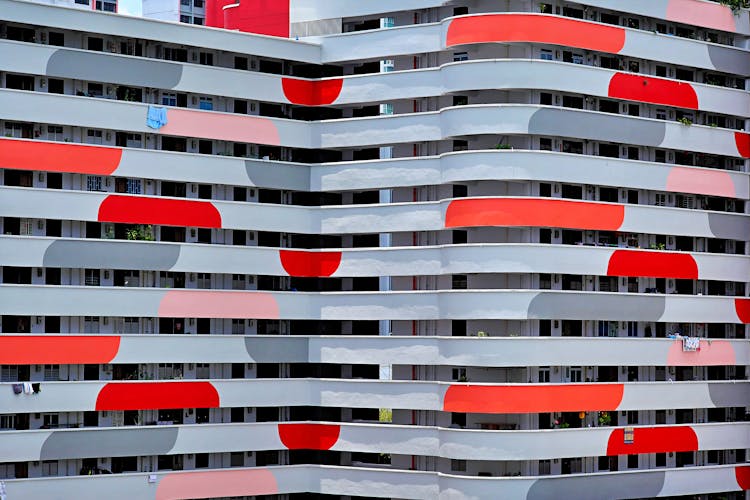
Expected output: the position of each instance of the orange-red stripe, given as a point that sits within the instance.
(309, 264)
(652, 264)
(52, 157)
(742, 306)
(743, 143)
(486, 28)
(532, 398)
(742, 474)
(67, 349)
(309, 436)
(534, 212)
(660, 439)
(655, 90)
(164, 211)
(156, 395)
(312, 92)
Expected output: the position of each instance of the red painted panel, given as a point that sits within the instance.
(742, 473)
(156, 395)
(312, 92)
(532, 398)
(57, 350)
(34, 155)
(309, 264)
(662, 439)
(215, 12)
(264, 17)
(165, 211)
(743, 143)
(652, 264)
(655, 90)
(534, 212)
(538, 28)
(216, 483)
(742, 306)
(309, 436)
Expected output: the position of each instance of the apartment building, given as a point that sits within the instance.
(414, 249)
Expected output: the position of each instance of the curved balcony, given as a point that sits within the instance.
(381, 218)
(480, 119)
(489, 352)
(411, 395)
(341, 480)
(457, 444)
(23, 251)
(503, 74)
(448, 168)
(38, 300)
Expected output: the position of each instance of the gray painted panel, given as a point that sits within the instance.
(101, 67)
(111, 255)
(597, 126)
(729, 226)
(109, 442)
(278, 175)
(598, 487)
(729, 60)
(278, 349)
(728, 394)
(603, 306)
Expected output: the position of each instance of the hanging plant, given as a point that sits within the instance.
(736, 5)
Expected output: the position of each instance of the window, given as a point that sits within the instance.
(238, 327)
(91, 277)
(94, 136)
(134, 186)
(94, 183)
(18, 130)
(179, 55)
(198, 21)
(632, 461)
(169, 99)
(27, 227)
(202, 371)
(185, 19)
(49, 467)
(206, 58)
(169, 371)
(7, 422)
(91, 324)
(51, 372)
(546, 55)
(544, 467)
(8, 373)
(131, 324)
(576, 374)
(460, 56)
(203, 280)
(198, 4)
(206, 103)
(543, 374)
(54, 133)
(459, 374)
(609, 62)
(458, 465)
(660, 200)
(96, 44)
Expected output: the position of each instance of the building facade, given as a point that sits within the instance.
(414, 249)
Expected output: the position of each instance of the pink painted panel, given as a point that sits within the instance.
(218, 304)
(701, 13)
(701, 181)
(213, 484)
(220, 126)
(713, 353)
